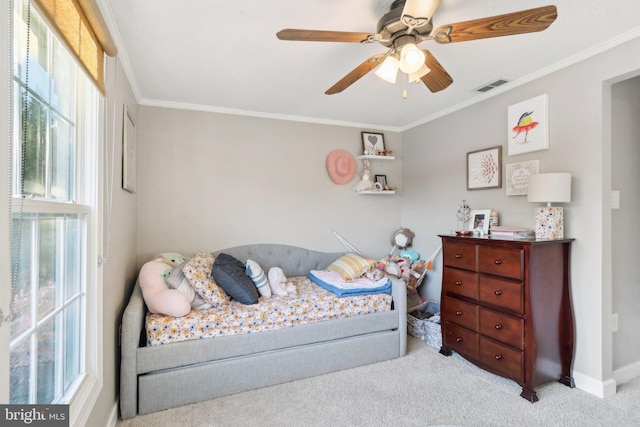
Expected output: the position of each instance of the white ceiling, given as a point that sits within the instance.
(224, 55)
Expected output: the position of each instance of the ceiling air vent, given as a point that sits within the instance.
(487, 87)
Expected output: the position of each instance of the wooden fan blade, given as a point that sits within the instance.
(324, 36)
(356, 74)
(438, 78)
(526, 21)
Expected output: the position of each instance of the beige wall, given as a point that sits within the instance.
(580, 143)
(120, 214)
(209, 181)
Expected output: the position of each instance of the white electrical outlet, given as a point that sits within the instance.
(615, 199)
(614, 322)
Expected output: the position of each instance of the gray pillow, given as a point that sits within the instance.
(229, 273)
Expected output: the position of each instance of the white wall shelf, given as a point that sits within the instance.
(370, 157)
(377, 192)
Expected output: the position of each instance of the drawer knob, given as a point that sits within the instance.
(458, 256)
(498, 261)
(498, 292)
(498, 356)
(458, 313)
(498, 327)
(459, 339)
(458, 283)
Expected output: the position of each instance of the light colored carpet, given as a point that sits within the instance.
(423, 388)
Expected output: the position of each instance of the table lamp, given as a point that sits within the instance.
(549, 188)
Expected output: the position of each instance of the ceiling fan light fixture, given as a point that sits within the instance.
(421, 11)
(415, 77)
(411, 58)
(388, 70)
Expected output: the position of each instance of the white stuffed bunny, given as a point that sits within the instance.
(278, 283)
(365, 183)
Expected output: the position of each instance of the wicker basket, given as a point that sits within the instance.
(426, 329)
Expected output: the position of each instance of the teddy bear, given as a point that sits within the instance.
(155, 291)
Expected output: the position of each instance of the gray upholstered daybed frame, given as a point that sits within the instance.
(159, 377)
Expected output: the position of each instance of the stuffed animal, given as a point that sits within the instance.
(365, 183)
(155, 291)
(278, 283)
(173, 259)
(418, 271)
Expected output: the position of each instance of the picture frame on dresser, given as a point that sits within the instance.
(480, 220)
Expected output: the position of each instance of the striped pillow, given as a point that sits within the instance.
(255, 272)
(351, 266)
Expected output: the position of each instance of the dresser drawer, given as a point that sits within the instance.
(502, 359)
(506, 262)
(461, 313)
(460, 282)
(501, 293)
(460, 340)
(502, 327)
(460, 256)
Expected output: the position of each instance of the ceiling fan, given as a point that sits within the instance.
(407, 24)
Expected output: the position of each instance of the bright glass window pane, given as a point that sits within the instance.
(63, 159)
(64, 77)
(72, 330)
(20, 382)
(46, 366)
(37, 62)
(25, 230)
(33, 147)
(49, 306)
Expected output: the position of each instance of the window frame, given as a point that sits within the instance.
(89, 126)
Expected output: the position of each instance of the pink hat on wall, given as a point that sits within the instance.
(341, 166)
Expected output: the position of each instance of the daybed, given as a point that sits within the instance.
(158, 377)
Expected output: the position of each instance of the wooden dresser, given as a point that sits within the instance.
(506, 307)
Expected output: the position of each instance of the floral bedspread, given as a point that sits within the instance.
(311, 304)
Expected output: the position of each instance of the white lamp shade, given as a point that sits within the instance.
(411, 58)
(388, 70)
(415, 77)
(420, 8)
(549, 187)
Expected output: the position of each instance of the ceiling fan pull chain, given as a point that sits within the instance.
(404, 92)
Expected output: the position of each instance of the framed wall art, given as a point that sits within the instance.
(484, 168)
(373, 143)
(517, 176)
(528, 125)
(128, 151)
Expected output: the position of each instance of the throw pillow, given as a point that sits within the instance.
(351, 266)
(177, 280)
(256, 274)
(198, 272)
(229, 273)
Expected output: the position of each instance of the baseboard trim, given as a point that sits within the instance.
(627, 373)
(113, 417)
(598, 388)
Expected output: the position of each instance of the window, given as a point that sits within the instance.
(55, 181)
